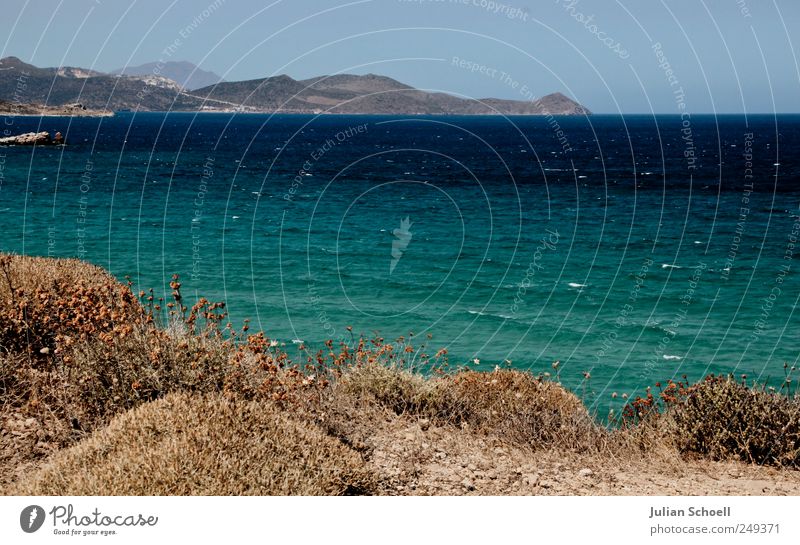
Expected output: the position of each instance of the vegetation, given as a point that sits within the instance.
(189, 444)
(104, 391)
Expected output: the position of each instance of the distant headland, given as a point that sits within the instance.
(55, 91)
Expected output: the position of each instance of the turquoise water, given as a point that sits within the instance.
(629, 247)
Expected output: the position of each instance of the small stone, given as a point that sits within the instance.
(424, 424)
(468, 484)
(586, 472)
(472, 467)
(44, 350)
(531, 480)
(441, 455)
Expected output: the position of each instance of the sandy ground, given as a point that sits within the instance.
(416, 459)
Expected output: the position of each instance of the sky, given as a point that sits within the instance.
(613, 56)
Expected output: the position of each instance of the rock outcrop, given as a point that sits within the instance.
(32, 139)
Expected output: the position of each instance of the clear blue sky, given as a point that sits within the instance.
(727, 55)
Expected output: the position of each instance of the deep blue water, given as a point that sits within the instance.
(602, 246)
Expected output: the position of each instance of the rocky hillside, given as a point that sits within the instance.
(184, 73)
(22, 83)
(372, 94)
(67, 110)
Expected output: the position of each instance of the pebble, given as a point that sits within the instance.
(586, 472)
(531, 480)
(468, 484)
(424, 424)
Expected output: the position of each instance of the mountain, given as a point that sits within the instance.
(370, 94)
(23, 83)
(343, 94)
(184, 73)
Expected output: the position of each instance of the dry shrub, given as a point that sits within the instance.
(520, 407)
(396, 389)
(77, 348)
(513, 405)
(203, 445)
(47, 305)
(722, 419)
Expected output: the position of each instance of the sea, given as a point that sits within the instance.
(628, 249)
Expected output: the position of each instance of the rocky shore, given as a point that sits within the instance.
(13, 109)
(33, 139)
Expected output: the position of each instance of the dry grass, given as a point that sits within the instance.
(203, 445)
(78, 349)
(514, 405)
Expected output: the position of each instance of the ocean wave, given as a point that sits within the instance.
(491, 315)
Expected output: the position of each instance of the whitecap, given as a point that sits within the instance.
(671, 357)
(668, 266)
(478, 312)
(297, 341)
(576, 285)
